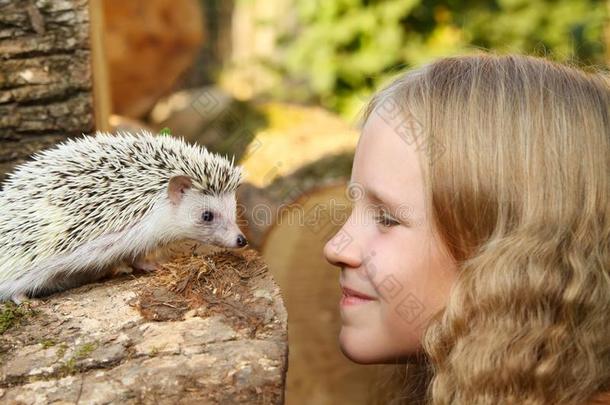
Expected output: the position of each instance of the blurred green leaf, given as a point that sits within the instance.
(343, 49)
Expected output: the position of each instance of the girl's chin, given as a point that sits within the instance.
(356, 347)
(366, 348)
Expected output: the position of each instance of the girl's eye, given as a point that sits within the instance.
(385, 220)
(207, 216)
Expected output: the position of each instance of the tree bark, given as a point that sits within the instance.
(45, 76)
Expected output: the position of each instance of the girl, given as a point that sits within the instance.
(477, 253)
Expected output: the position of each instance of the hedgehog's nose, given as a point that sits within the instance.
(241, 241)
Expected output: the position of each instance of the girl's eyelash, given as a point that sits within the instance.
(386, 220)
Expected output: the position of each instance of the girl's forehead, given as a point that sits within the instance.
(385, 162)
(382, 145)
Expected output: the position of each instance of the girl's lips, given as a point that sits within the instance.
(351, 297)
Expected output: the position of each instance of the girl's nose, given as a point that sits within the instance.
(341, 250)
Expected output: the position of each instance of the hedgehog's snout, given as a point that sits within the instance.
(241, 240)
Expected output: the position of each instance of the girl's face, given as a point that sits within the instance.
(386, 249)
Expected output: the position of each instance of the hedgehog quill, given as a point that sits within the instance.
(78, 209)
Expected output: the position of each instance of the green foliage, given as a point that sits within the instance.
(344, 49)
(12, 314)
(84, 350)
(61, 350)
(46, 343)
(69, 366)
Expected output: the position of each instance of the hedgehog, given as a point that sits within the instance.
(76, 210)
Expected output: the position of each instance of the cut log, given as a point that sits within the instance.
(203, 329)
(260, 208)
(45, 76)
(149, 45)
(319, 372)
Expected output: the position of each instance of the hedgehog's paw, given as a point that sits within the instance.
(22, 298)
(122, 269)
(18, 298)
(145, 265)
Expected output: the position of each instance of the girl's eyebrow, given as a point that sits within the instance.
(374, 194)
(396, 210)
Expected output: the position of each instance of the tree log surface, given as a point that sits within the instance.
(93, 345)
(45, 76)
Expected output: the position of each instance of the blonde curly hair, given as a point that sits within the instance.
(515, 155)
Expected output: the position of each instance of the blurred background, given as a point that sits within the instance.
(279, 84)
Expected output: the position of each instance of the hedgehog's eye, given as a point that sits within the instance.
(207, 216)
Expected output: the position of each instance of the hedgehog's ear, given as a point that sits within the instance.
(177, 186)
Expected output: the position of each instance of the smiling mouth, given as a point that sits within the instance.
(351, 297)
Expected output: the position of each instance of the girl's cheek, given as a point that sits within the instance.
(372, 258)
(385, 256)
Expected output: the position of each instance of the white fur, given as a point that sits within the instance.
(93, 257)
